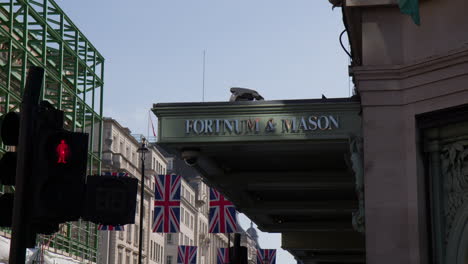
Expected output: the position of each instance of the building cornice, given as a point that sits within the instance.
(411, 72)
(251, 107)
(122, 129)
(428, 79)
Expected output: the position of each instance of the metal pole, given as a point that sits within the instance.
(20, 237)
(142, 186)
(108, 247)
(237, 248)
(229, 248)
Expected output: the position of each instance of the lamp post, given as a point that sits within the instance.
(142, 150)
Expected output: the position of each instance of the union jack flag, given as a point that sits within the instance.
(223, 256)
(111, 228)
(117, 174)
(187, 255)
(223, 217)
(266, 256)
(167, 204)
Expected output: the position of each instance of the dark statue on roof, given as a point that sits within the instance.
(244, 94)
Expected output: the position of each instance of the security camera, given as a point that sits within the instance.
(190, 156)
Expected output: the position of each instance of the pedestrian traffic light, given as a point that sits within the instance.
(242, 258)
(9, 132)
(110, 200)
(6, 205)
(60, 163)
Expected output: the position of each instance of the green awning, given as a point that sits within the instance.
(410, 7)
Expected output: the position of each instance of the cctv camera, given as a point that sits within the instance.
(190, 157)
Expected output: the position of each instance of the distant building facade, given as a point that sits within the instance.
(120, 154)
(197, 193)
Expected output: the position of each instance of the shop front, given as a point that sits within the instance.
(293, 166)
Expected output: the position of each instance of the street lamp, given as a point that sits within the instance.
(142, 150)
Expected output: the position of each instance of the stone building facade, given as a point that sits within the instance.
(412, 82)
(120, 154)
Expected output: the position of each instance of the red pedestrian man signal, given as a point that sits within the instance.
(62, 152)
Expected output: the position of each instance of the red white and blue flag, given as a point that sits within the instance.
(111, 228)
(187, 255)
(167, 204)
(223, 256)
(223, 216)
(266, 256)
(117, 174)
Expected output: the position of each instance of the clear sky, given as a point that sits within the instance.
(154, 53)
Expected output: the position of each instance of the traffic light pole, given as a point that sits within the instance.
(29, 109)
(142, 208)
(237, 248)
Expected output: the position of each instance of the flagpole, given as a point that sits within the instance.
(148, 124)
(203, 85)
(142, 150)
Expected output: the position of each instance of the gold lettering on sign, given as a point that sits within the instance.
(236, 126)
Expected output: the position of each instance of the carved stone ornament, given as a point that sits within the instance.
(356, 148)
(454, 161)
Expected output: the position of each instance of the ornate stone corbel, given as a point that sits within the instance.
(357, 164)
(454, 160)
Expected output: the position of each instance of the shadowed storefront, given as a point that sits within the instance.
(291, 166)
(311, 168)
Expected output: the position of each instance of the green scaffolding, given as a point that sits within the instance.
(39, 33)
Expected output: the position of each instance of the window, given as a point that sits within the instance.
(137, 208)
(121, 147)
(191, 242)
(121, 234)
(114, 146)
(182, 214)
(119, 257)
(127, 259)
(151, 249)
(191, 222)
(160, 252)
(169, 239)
(143, 240)
(169, 260)
(136, 235)
(135, 259)
(129, 234)
(157, 251)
